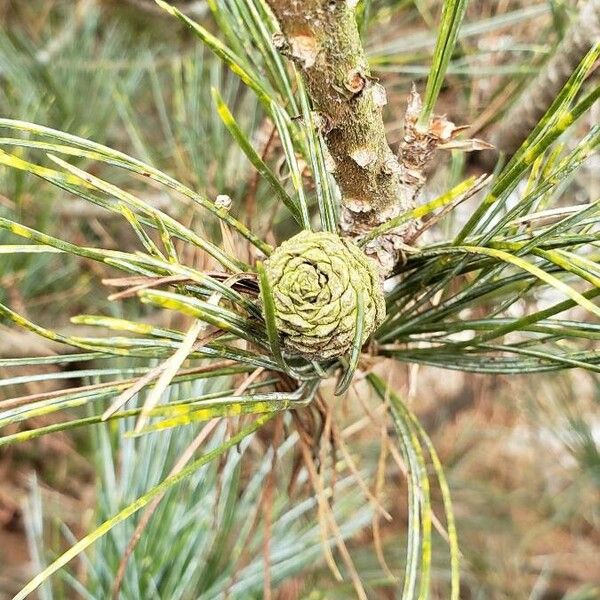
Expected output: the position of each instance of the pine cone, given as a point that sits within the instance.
(316, 279)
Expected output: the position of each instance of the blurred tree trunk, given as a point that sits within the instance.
(539, 95)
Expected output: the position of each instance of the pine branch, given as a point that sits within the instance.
(322, 38)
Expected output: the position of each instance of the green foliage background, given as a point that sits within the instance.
(480, 294)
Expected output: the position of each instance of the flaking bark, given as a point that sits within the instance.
(322, 37)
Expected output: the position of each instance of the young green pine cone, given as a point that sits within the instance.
(316, 278)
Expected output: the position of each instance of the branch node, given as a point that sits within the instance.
(355, 81)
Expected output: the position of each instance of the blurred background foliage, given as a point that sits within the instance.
(520, 452)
